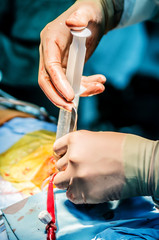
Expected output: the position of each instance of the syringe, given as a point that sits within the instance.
(74, 72)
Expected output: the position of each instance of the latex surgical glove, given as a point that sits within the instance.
(96, 167)
(56, 38)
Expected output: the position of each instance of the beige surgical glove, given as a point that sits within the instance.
(99, 16)
(96, 167)
(141, 167)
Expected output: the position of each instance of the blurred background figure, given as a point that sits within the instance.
(130, 65)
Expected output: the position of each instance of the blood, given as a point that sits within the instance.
(7, 174)
(19, 219)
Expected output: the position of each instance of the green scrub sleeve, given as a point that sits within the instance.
(113, 10)
(121, 13)
(141, 167)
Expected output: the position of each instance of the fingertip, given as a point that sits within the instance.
(61, 165)
(68, 107)
(70, 97)
(67, 91)
(76, 21)
(56, 180)
(60, 145)
(103, 79)
(61, 84)
(55, 147)
(59, 182)
(100, 78)
(93, 88)
(56, 156)
(101, 87)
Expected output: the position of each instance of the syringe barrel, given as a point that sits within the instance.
(63, 125)
(74, 72)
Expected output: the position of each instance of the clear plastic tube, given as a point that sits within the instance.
(74, 74)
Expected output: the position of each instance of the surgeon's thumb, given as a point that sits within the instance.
(79, 19)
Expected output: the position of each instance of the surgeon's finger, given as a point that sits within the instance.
(80, 18)
(60, 145)
(92, 89)
(62, 180)
(93, 84)
(53, 50)
(49, 89)
(57, 76)
(62, 163)
(94, 78)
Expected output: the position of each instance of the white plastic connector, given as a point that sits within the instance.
(45, 217)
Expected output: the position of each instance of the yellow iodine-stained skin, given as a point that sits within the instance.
(29, 161)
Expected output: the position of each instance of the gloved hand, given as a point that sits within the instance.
(99, 16)
(96, 167)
